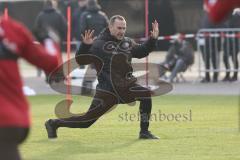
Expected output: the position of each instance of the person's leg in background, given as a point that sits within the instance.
(179, 66)
(226, 59)
(207, 67)
(236, 65)
(215, 44)
(206, 59)
(235, 59)
(162, 69)
(215, 65)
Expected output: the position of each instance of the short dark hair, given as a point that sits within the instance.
(113, 19)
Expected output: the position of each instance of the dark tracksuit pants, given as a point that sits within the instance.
(231, 49)
(210, 53)
(104, 101)
(10, 138)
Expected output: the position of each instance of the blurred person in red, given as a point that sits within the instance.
(220, 9)
(17, 42)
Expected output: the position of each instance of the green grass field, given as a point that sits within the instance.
(211, 132)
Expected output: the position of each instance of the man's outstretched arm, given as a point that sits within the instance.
(87, 41)
(142, 50)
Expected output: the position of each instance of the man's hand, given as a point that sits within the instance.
(155, 30)
(88, 37)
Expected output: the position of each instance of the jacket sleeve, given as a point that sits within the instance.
(143, 50)
(83, 49)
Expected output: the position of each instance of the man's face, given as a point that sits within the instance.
(118, 29)
(55, 4)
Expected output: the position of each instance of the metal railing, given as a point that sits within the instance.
(216, 48)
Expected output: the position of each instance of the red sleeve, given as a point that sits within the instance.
(221, 8)
(46, 57)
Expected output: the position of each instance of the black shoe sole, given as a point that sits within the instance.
(148, 137)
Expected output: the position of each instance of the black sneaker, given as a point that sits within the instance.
(51, 129)
(215, 80)
(205, 80)
(147, 135)
(234, 78)
(226, 79)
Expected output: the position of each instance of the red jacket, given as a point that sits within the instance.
(16, 41)
(219, 9)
